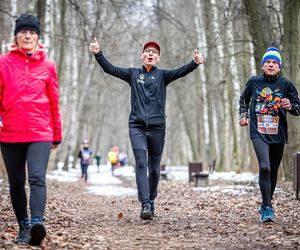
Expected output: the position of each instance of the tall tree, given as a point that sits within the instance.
(290, 56)
(260, 28)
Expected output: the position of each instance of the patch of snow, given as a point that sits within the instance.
(111, 190)
(126, 171)
(233, 176)
(99, 182)
(104, 183)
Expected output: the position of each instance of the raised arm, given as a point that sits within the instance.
(174, 74)
(109, 68)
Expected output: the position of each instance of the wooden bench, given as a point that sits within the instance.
(296, 160)
(201, 178)
(194, 167)
(197, 174)
(163, 172)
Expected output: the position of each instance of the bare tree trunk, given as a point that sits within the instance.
(260, 28)
(233, 88)
(202, 43)
(41, 12)
(246, 70)
(290, 54)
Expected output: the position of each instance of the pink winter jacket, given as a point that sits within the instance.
(29, 103)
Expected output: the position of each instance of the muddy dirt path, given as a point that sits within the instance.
(186, 218)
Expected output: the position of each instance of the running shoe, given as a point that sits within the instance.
(146, 211)
(266, 214)
(23, 235)
(37, 231)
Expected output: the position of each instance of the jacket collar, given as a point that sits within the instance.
(39, 54)
(271, 78)
(153, 68)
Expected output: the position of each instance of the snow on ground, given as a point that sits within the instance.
(105, 184)
(99, 183)
(60, 175)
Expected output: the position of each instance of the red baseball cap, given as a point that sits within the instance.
(152, 44)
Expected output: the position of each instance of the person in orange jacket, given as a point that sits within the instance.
(30, 124)
(113, 157)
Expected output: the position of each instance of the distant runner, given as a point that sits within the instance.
(86, 156)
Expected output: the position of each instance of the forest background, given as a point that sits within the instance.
(202, 108)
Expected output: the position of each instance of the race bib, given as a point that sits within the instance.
(268, 124)
(86, 155)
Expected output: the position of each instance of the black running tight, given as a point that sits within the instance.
(147, 145)
(35, 156)
(269, 157)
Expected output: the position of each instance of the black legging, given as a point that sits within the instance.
(149, 141)
(269, 157)
(36, 155)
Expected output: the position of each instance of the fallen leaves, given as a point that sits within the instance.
(186, 218)
(120, 216)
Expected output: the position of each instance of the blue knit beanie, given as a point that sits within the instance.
(272, 53)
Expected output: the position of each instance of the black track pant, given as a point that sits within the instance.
(269, 157)
(147, 145)
(84, 171)
(36, 156)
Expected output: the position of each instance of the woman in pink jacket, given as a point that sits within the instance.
(30, 124)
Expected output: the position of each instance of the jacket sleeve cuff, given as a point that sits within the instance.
(99, 53)
(295, 110)
(244, 115)
(195, 64)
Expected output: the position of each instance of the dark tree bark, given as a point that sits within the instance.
(290, 54)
